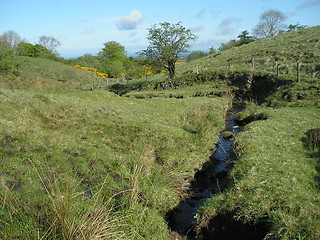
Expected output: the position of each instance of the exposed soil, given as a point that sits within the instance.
(225, 227)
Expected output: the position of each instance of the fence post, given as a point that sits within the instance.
(298, 71)
(252, 63)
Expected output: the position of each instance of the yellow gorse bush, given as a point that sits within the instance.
(93, 70)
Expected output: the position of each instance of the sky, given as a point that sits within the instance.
(83, 26)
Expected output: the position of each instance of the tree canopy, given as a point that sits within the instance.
(113, 59)
(245, 38)
(167, 41)
(195, 55)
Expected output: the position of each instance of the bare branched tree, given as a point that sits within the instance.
(271, 24)
(50, 43)
(11, 38)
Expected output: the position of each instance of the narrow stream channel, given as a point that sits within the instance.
(205, 183)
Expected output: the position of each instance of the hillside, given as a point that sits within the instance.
(284, 50)
(264, 70)
(39, 73)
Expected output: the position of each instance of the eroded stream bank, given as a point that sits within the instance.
(211, 179)
(206, 182)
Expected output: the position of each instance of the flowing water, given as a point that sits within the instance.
(205, 183)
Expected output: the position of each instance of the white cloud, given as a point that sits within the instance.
(226, 27)
(307, 4)
(131, 21)
(201, 13)
(197, 28)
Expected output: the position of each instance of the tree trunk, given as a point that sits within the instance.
(171, 68)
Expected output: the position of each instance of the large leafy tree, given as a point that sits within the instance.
(113, 51)
(113, 59)
(167, 41)
(271, 23)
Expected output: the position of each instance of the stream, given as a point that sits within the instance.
(206, 182)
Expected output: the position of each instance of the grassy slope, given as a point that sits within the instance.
(213, 72)
(299, 46)
(275, 178)
(37, 73)
(132, 154)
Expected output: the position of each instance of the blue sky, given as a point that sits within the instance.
(82, 26)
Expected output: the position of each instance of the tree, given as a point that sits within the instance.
(271, 24)
(113, 59)
(113, 51)
(115, 69)
(245, 38)
(212, 50)
(12, 38)
(167, 41)
(295, 27)
(7, 59)
(27, 49)
(228, 45)
(50, 43)
(37, 50)
(195, 55)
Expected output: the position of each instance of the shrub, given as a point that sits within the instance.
(7, 60)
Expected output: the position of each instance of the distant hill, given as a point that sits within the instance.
(39, 73)
(284, 50)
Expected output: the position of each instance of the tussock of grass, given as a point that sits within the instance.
(275, 178)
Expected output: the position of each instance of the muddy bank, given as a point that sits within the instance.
(224, 227)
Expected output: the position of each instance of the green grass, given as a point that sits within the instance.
(287, 49)
(211, 89)
(38, 73)
(58, 141)
(130, 152)
(258, 81)
(275, 177)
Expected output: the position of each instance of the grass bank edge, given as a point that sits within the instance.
(275, 178)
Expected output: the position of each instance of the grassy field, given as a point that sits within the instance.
(59, 147)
